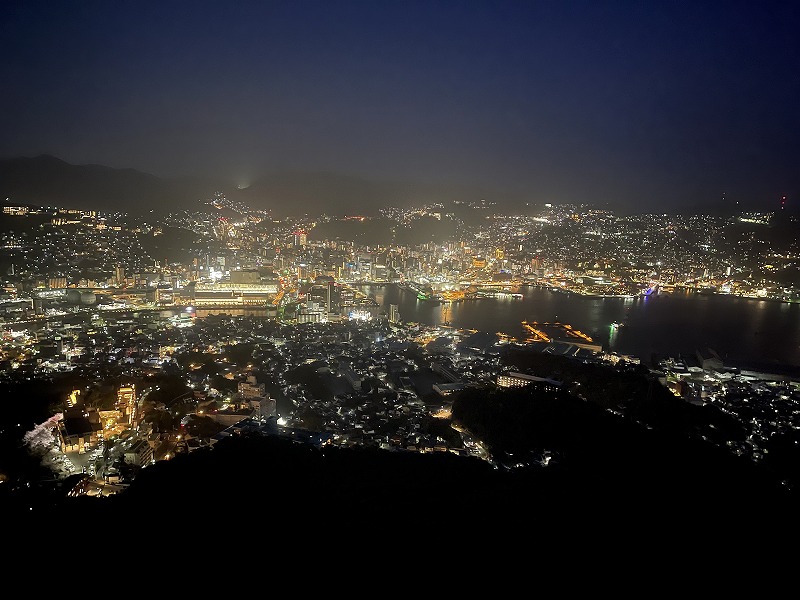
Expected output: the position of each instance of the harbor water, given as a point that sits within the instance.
(747, 333)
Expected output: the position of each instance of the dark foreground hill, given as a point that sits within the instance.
(609, 476)
(646, 476)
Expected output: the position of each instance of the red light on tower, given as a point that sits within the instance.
(783, 202)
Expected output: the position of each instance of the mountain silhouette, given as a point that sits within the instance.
(49, 181)
(319, 192)
(46, 180)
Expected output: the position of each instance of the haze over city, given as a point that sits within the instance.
(638, 106)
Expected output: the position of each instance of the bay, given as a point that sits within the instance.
(762, 335)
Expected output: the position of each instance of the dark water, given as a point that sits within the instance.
(748, 333)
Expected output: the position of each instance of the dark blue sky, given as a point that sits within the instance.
(641, 105)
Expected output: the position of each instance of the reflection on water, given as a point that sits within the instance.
(744, 331)
(613, 335)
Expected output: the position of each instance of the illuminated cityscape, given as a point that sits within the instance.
(238, 318)
(329, 270)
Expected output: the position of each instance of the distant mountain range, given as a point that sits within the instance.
(49, 181)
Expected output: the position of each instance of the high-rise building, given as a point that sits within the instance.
(126, 402)
(119, 275)
(394, 313)
(320, 297)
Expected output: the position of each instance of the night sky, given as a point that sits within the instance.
(635, 104)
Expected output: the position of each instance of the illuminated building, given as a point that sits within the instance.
(394, 313)
(513, 379)
(119, 275)
(302, 272)
(140, 453)
(233, 294)
(320, 297)
(362, 312)
(255, 396)
(164, 295)
(347, 295)
(15, 210)
(126, 403)
(305, 316)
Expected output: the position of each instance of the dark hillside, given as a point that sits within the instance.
(48, 181)
(607, 473)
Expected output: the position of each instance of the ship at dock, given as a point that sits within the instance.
(422, 290)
